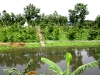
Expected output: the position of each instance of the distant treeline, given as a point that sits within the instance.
(33, 17)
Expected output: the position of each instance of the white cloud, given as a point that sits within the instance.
(49, 6)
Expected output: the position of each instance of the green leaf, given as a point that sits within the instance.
(28, 65)
(84, 67)
(68, 58)
(9, 71)
(52, 66)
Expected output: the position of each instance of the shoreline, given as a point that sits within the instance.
(73, 43)
(48, 43)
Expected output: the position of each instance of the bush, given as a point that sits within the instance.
(16, 34)
(71, 34)
(92, 34)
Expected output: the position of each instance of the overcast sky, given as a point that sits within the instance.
(49, 6)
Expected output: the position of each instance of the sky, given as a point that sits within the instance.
(49, 6)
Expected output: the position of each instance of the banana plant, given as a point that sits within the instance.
(9, 71)
(68, 60)
(14, 70)
(54, 67)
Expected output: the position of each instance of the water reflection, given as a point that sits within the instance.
(57, 54)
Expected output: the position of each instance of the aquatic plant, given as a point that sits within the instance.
(54, 67)
(14, 70)
(9, 71)
(27, 66)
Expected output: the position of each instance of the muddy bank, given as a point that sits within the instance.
(13, 44)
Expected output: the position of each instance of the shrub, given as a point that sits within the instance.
(92, 34)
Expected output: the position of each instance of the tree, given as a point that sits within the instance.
(42, 17)
(43, 21)
(73, 16)
(92, 34)
(79, 13)
(6, 18)
(55, 17)
(88, 23)
(31, 13)
(62, 20)
(20, 20)
(13, 17)
(97, 21)
(1, 23)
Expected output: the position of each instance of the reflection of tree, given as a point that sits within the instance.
(77, 58)
(12, 58)
(94, 52)
(56, 54)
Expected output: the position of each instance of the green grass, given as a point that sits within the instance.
(32, 45)
(2, 48)
(29, 45)
(72, 43)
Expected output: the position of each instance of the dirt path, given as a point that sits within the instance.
(40, 36)
(13, 44)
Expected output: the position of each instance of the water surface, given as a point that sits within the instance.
(19, 58)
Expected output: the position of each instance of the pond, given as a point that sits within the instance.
(19, 58)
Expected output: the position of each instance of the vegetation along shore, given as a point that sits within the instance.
(78, 43)
(32, 29)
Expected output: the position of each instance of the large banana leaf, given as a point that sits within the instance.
(84, 67)
(52, 66)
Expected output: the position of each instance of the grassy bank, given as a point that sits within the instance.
(55, 43)
(28, 45)
(72, 43)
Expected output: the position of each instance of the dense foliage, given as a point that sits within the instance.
(68, 33)
(53, 26)
(15, 34)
